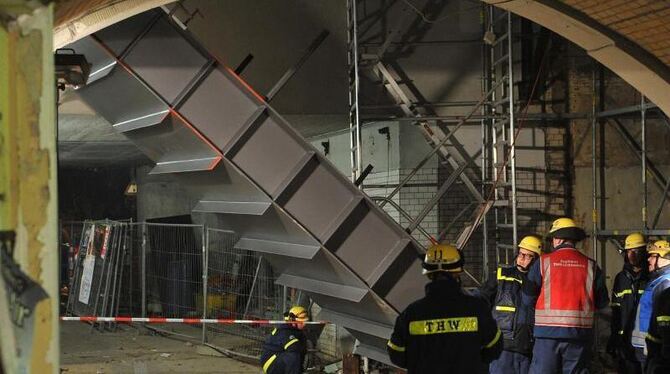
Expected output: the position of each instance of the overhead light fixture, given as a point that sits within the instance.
(131, 189)
(72, 69)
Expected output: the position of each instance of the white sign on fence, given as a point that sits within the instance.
(86, 279)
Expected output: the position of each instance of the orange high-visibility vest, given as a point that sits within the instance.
(566, 298)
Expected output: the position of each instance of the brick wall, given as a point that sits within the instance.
(642, 21)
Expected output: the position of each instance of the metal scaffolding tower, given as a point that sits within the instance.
(501, 134)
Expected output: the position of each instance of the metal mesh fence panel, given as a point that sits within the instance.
(157, 270)
(130, 300)
(69, 233)
(173, 264)
(241, 285)
(96, 284)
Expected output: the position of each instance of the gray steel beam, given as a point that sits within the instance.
(291, 72)
(633, 109)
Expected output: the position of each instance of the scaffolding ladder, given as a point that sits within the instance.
(501, 133)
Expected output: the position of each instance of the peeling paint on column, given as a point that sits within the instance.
(28, 203)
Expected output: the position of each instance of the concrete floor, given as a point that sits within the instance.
(134, 350)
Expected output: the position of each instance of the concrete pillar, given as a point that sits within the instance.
(28, 195)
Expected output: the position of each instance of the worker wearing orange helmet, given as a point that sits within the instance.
(628, 287)
(447, 331)
(514, 318)
(285, 348)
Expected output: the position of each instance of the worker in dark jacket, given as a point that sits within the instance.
(627, 289)
(514, 318)
(446, 331)
(652, 323)
(567, 288)
(284, 349)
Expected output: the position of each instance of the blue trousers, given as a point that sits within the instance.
(560, 356)
(510, 363)
(286, 363)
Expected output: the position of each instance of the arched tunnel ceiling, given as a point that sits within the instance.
(631, 38)
(75, 19)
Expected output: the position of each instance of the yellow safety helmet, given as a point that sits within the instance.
(296, 313)
(442, 257)
(531, 243)
(566, 228)
(661, 248)
(635, 240)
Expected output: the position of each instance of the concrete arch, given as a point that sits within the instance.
(637, 66)
(642, 69)
(77, 19)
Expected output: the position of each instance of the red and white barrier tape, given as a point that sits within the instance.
(189, 320)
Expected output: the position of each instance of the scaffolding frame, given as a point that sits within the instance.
(600, 118)
(488, 113)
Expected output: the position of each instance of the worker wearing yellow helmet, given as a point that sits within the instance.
(284, 349)
(652, 324)
(447, 331)
(503, 293)
(628, 286)
(566, 288)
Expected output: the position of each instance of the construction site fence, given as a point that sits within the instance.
(180, 270)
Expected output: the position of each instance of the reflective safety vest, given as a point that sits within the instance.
(644, 311)
(566, 298)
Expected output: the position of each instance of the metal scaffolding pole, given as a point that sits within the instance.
(594, 180)
(205, 278)
(485, 111)
(643, 135)
(512, 124)
(355, 140)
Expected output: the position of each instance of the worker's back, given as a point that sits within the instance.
(445, 332)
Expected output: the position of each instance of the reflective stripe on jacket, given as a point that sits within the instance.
(566, 298)
(445, 332)
(627, 290)
(644, 310)
(513, 317)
